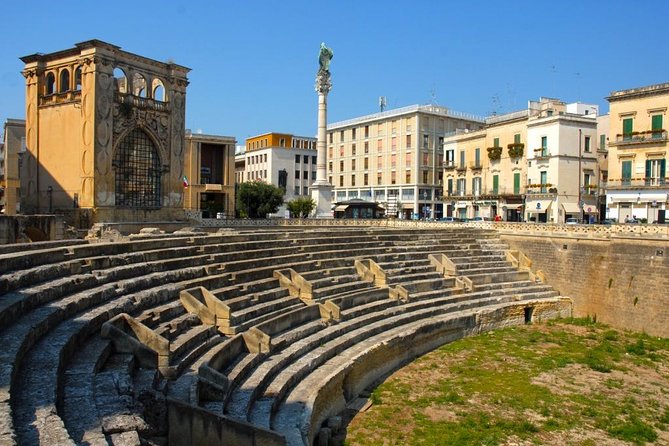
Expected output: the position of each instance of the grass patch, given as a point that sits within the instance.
(531, 383)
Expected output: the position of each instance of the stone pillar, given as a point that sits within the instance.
(321, 189)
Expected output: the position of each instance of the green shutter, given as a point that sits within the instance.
(662, 170)
(516, 138)
(516, 183)
(657, 122)
(648, 163)
(495, 184)
(627, 170)
(496, 142)
(628, 125)
(478, 156)
(450, 186)
(602, 142)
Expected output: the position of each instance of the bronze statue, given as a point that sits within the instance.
(324, 58)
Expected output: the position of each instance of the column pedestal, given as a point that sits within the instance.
(321, 193)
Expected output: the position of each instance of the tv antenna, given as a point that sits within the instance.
(382, 103)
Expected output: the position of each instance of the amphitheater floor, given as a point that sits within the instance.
(572, 382)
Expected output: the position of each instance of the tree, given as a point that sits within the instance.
(301, 207)
(256, 199)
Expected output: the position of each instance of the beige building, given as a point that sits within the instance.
(524, 165)
(637, 178)
(209, 168)
(395, 158)
(12, 150)
(282, 159)
(104, 135)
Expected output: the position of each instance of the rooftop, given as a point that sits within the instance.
(430, 109)
(639, 91)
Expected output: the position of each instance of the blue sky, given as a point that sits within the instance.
(254, 62)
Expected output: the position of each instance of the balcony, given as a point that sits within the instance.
(461, 168)
(541, 188)
(640, 138)
(475, 166)
(60, 98)
(541, 153)
(449, 165)
(636, 183)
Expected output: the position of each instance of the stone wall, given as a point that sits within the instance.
(622, 280)
(26, 228)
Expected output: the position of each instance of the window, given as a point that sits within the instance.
(282, 142)
(366, 147)
(586, 181)
(407, 177)
(544, 176)
(379, 178)
(426, 159)
(477, 157)
(495, 184)
(462, 159)
(393, 160)
(441, 143)
(353, 133)
(313, 175)
(450, 186)
(586, 144)
(330, 153)
(64, 81)
(306, 175)
(379, 129)
(626, 173)
(450, 158)
(353, 180)
(341, 136)
(544, 146)
(341, 166)
(407, 160)
(330, 137)
(425, 177)
(393, 143)
(602, 142)
(353, 149)
(476, 186)
(408, 141)
(628, 128)
(379, 145)
(366, 179)
(461, 187)
(393, 177)
(366, 131)
(297, 174)
(138, 172)
(516, 138)
(379, 162)
(341, 151)
(516, 183)
(426, 141)
(352, 164)
(297, 159)
(656, 126)
(50, 83)
(341, 180)
(366, 163)
(297, 190)
(330, 166)
(495, 142)
(77, 79)
(314, 159)
(655, 172)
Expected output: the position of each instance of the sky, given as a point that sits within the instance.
(253, 63)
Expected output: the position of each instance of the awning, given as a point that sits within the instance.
(341, 208)
(571, 208)
(537, 207)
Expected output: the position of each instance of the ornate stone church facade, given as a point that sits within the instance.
(104, 135)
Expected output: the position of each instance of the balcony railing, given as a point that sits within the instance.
(449, 165)
(541, 152)
(60, 98)
(475, 166)
(636, 183)
(647, 137)
(500, 191)
(461, 167)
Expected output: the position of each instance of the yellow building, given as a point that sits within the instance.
(104, 135)
(11, 152)
(394, 157)
(637, 177)
(209, 167)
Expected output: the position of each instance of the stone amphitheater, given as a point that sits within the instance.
(257, 336)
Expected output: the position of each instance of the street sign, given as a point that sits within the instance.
(589, 209)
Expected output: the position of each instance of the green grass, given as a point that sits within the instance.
(501, 385)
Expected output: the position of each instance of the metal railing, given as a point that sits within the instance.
(633, 183)
(649, 136)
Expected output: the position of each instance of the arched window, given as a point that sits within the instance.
(50, 83)
(121, 80)
(137, 171)
(158, 91)
(64, 81)
(77, 79)
(139, 85)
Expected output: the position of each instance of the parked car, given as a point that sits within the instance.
(481, 219)
(572, 221)
(447, 219)
(608, 221)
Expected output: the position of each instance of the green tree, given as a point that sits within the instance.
(256, 199)
(301, 207)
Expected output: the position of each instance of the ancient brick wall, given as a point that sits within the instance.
(621, 280)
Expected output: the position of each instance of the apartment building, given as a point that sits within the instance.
(209, 167)
(12, 149)
(524, 165)
(394, 158)
(637, 154)
(282, 159)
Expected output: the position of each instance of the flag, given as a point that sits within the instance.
(185, 181)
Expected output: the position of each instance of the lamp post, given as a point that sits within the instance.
(49, 191)
(580, 202)
(424, 204)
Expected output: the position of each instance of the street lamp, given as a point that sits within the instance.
(424, 204)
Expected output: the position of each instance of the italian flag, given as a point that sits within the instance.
(185, 181)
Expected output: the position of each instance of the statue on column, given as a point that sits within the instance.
(323, 84)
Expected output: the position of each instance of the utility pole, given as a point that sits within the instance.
(580, 203)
